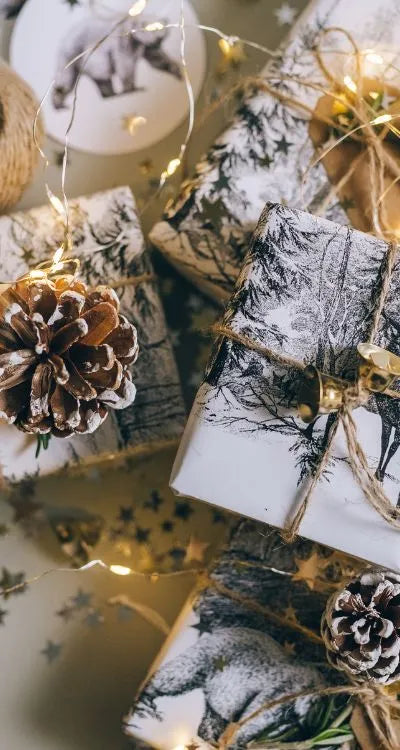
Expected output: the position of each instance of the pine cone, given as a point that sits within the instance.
(65, 353)
(361, 627)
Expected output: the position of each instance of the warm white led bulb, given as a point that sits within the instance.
(120, 570)
(137, 7)
(350, 84)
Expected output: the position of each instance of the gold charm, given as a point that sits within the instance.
(319, 394)
(378, 368)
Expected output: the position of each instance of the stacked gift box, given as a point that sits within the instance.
(108, 243)
(266, 152)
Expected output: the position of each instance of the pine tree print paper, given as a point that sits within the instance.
(264, 154)
(108, 241)
(307, 289)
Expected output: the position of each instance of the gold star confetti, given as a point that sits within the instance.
(131, 123)
(289, 648)
(146, 167)
(290, 614)
(195, 550)
(307, 570)
(124, 548)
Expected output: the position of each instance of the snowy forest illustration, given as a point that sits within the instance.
(108, 241)
(239, 660)
(307, 288)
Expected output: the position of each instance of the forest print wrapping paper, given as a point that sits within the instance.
(108, 241)
(223, 660)
(265, 152)
(307, 289)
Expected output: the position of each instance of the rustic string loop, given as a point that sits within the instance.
(377, 704)
(355, 395)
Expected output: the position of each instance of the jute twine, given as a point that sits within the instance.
(354, 396)
(18, 153)
(379, 706)
(380, 160)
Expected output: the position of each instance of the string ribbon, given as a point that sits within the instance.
(378, 705)
(354, 396)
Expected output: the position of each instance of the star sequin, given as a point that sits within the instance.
(142, 535)
(126, 515)
(218, 517)
(307, 570)
(154, 501)
(124, 613)
(66, 612)
(177, 554)
(167, 526)
(94, 618)
(183, 510)
(82, 599)
(9, 580)
(52, 651)
(195, 550)
(285, 14)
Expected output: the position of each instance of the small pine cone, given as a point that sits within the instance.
(361, 628)
(65, 356)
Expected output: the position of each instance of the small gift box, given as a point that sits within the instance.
(309, 293)
(108, 243)
(285, 121)
(228, 656)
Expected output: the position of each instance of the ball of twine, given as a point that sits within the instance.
(18, 153)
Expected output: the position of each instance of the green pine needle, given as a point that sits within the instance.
(42, 441)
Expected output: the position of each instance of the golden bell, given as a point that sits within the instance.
(378, 367)
(319, 394)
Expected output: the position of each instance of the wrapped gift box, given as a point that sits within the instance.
(263, 155)
(224, 659)
(307, 289)
(109, 244)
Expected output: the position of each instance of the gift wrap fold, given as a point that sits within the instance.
(224, 659)
(267, 150)
(307, 289)
(108, 241)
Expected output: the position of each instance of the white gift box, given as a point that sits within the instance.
(307, 289)
(266, 151)
(222, 660)
(108, 241)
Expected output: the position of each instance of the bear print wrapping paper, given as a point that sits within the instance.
(108, 241)
(223, 660)
(264, 154)
(307, 289)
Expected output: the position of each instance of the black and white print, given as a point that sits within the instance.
(10, 8)
(109, 244)
(236, 660)
(115, 67)
(121, 71)
(307, 289)
(265, 153)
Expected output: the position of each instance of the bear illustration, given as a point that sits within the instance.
(112, 67)
(239, 669)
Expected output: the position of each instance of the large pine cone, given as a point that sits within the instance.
(361, 628)
(65, 353)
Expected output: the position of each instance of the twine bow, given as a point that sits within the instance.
(354, 396)
(378, 705)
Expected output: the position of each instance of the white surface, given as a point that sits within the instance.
(98, 128)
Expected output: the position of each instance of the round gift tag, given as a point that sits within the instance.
(130, 92)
